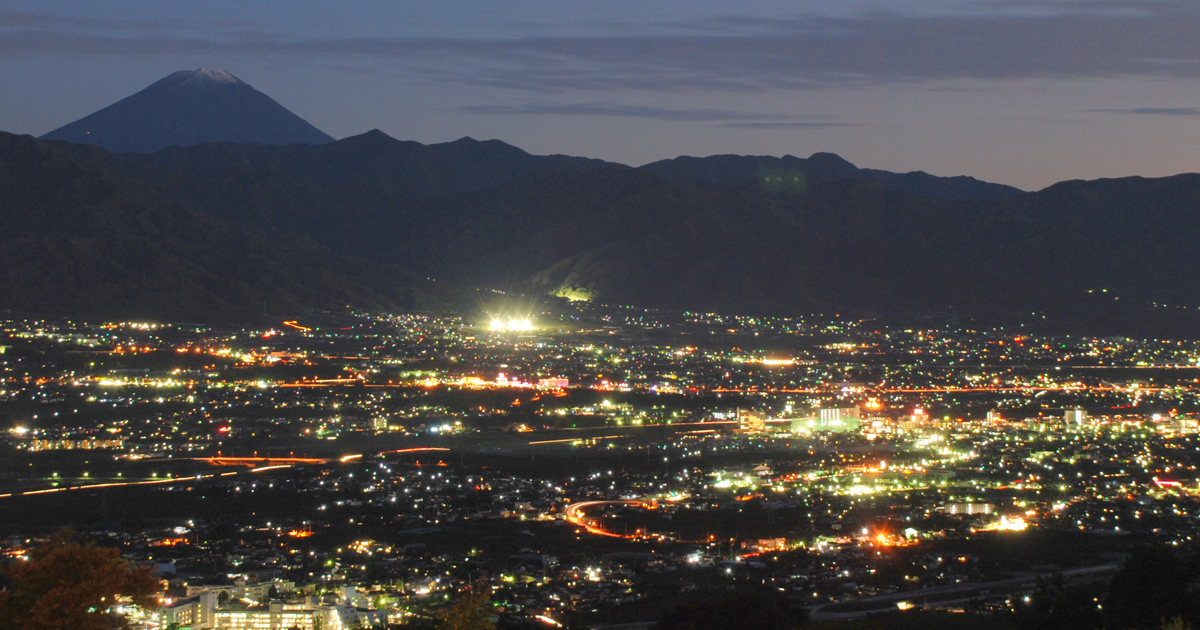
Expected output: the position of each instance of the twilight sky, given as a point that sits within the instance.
(1025, 93)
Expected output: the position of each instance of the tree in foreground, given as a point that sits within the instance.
(470, 612)
(1153, 590)
(70, 586)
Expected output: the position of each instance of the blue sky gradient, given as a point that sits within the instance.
(1023, 93)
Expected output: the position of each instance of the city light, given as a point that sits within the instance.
(511, 325)
(608, 429)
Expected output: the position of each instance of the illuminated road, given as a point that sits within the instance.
(123, 484)
(950, 594)
(575, 516)
(575, 439)
(255, 462)
(955, 390)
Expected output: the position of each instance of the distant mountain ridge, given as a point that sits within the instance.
(225, 231)
(793, 172)
(407, 169)
(373, 161)
(187, 108)
(200, 107)
(84, 237)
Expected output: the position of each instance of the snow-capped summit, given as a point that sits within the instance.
(190, 107)
(206, 75)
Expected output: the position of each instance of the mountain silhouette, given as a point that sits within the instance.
(186, 108)
(372, 163)
(82, 235)
(226, 231)
(793, 172)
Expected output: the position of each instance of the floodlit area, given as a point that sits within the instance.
(511, 324)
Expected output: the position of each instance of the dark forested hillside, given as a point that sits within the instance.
(83, 239)
(793, 172)
(230, 230)
(372, 164)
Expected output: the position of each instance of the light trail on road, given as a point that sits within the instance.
(126, 484)
(575, 516)
(260, 461)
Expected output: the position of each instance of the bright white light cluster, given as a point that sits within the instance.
(512, 324)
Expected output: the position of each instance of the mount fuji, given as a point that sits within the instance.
(190, 107)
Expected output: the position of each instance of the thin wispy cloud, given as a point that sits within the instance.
(1073, 40)
(1150, 111)
(794, 124)
(44, 23)
(728, 118)
(1110, 7)
(11, 19)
